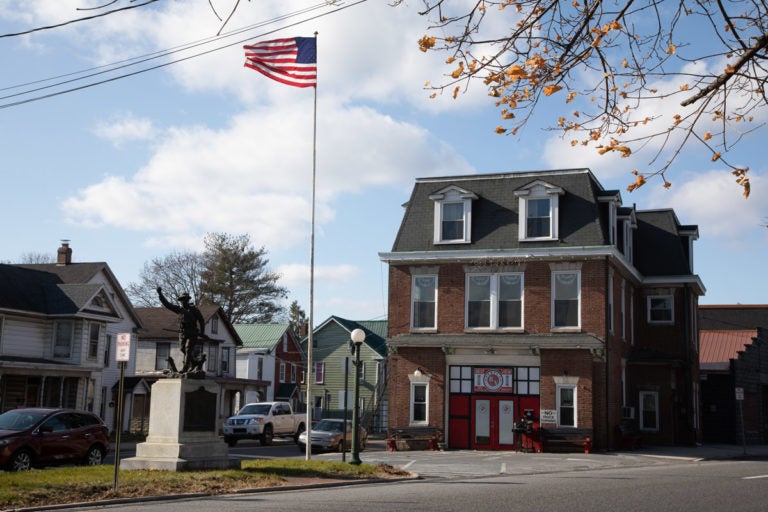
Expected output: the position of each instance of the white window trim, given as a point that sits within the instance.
(539, 190)
(655, 394)
(411, 420)
(558, 389)
(433, 327)
(494, 298)
(282, 373)
(451, 195)
(672, 309)
(569, 328)
(321, 380)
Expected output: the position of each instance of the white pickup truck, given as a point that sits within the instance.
(263, 421)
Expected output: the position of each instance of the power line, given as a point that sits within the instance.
(127, 63)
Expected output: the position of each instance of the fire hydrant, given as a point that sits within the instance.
(588, 445)
(391, 444)
(432, 443)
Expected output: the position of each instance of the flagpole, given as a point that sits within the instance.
(310, 367)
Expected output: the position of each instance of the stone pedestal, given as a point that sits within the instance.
(182, 429)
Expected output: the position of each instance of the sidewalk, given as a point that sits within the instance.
(704, 452)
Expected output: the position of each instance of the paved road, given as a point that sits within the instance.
(666, 485)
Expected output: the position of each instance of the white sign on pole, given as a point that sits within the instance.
(123, 352)
(739, 393)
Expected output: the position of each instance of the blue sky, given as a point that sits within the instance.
(142, 166)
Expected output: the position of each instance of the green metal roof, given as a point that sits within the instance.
(375, 331)
(261, 335)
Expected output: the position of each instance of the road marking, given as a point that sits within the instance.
(503, 467)
(754, 477)
(409, 464)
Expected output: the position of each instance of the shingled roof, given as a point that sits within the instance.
(733, 316)
(34, 289)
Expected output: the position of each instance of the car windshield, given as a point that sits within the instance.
(327, 426)
(262, 409)
(19, 420)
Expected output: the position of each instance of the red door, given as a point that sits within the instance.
(493, 423)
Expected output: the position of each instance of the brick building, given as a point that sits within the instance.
(541, 292)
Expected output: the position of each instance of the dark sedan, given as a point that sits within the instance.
(43, 436)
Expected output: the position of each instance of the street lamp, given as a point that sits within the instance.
(357, 337)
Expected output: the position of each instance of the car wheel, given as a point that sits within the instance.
(266, 437)
(94, 457)
(298, 433)
(20, 461)
(230, 441)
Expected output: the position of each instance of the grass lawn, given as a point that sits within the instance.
(76, 484)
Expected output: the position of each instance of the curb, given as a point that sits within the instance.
(172, 497)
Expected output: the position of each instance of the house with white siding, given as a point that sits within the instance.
(58, 327)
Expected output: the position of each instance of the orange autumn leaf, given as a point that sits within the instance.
(549, 90)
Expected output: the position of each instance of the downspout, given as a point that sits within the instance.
(607, 358)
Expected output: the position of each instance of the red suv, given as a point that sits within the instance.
(40, 436)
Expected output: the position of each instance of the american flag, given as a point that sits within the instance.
(292, 61)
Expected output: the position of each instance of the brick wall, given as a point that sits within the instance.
(431, 361)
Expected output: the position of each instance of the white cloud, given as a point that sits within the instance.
(255, 174)
(714, 202)
(124, 128)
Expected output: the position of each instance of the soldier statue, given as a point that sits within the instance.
(191, 331)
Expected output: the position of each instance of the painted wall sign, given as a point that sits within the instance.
(493, 380)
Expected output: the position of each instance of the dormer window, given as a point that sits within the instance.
(538, 206)
(453, 215)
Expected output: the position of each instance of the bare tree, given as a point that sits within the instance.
(176, 273)
(610, 60)
(35, 258)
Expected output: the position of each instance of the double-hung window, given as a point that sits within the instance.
(94, 333)
(661, 309)
(649, 410)
(419, 403)
(64, 333)
(162, 353)
(319, 373)
(424, 302)
(453, 215)
(538, 211)
(566, 405)
(566, 299)
(494, 301)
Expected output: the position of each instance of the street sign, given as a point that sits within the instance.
(739, 393)
(123, 352)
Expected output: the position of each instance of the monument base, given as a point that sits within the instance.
(182, 429)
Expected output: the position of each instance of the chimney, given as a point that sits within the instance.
(64, 254)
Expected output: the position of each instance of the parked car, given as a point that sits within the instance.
(44, 436)
(328, 436)
(263, 421)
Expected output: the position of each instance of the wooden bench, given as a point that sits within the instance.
(629, 437)
(414, 438)
(567, 439)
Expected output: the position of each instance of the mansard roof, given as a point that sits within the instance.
(495, 212)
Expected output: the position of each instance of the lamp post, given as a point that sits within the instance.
(357, 336)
